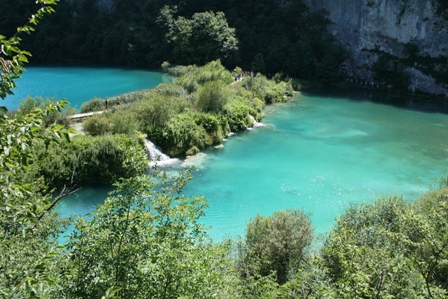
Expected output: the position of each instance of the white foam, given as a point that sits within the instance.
(157, 157)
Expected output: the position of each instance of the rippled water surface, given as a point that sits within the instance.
(316, 153)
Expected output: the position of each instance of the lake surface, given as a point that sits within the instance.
(81, 84)
(316, 153)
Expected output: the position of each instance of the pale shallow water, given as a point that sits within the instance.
(316, 153)
(81, 84)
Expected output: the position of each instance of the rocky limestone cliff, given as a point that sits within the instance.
(370, 28)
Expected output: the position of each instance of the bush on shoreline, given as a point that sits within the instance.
(91, 160)
(59, 117)
(198, 109)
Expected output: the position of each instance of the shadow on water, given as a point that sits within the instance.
(414, 103)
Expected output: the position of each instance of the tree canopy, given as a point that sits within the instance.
(203, 38)
(269, 37)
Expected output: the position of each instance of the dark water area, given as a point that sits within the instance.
(417, 103)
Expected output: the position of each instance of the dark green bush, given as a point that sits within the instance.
(101, 159)
(179, 135)
(216, 126)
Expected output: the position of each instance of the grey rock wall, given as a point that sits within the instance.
(367, 28)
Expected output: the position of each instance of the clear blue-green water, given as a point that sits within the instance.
(80, 84)
(316, 153)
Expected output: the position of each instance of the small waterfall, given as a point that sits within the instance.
(156, 156)
(255, 122)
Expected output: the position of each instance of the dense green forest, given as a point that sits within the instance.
(269, 36)
(145, 241)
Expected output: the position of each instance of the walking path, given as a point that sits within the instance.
(81, 116)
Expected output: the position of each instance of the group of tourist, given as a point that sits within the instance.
(241, 75)
(106, 102)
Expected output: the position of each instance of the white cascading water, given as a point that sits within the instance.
(156, 156)
(255, 122)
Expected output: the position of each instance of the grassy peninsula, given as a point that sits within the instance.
(198, 109)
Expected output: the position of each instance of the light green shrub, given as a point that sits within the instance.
(93, 105)
(212, 97)
(97, 125)
(124, 122)
(276, 243)
(60, 117)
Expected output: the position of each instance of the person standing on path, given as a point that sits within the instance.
(106, 102)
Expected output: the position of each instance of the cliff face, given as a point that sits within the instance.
(371, 28)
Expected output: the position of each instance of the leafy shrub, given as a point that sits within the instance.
(93, 105)
(156, 109)
(124, 122)
(146, 243)
(171, 90)
(214, 71)
(101, 159)
(275, 243)
(193, 77)
(189, 83)
(192, 151)
(267, 90)
(212, 97)
(390, 249)
(179, 135)
(60, 117)
(97, 125)
(236, 115)
(216, 126)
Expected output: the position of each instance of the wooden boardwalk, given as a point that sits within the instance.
(82, 116)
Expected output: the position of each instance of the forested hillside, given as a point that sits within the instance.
(395, 45)
(261, 36)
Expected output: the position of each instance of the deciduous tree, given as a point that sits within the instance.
(275, 244)
(203, 38)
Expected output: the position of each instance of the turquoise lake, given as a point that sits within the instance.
(315, 153)
(81, 84)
